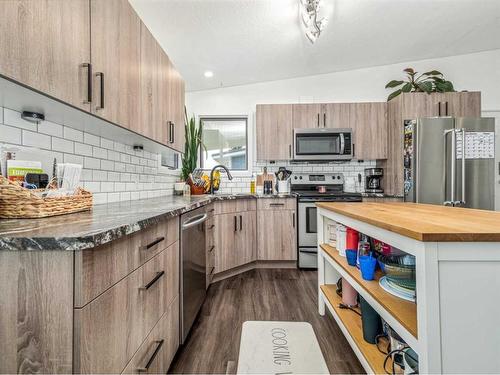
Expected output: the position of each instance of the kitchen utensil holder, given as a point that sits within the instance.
(17, 202)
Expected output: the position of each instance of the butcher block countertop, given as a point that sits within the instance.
(425, 222)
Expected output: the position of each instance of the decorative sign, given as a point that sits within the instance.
(478, 145)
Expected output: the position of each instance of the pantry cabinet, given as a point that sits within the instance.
(45, 45)
(409, 106)
(274, 131)
(116, 58)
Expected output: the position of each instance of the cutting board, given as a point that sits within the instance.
(264, 177)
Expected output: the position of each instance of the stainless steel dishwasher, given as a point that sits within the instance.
(193, 267)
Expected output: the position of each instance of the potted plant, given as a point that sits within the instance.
(191, 147)
(428, 82)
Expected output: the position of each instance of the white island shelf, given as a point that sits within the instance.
(457, 255)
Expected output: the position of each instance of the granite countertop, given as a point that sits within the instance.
(105, 223)
(380, 195)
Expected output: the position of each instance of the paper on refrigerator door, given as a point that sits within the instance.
(478, 145)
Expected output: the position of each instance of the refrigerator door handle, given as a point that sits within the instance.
(462, 202)
(453, 165)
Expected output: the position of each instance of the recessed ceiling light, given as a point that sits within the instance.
(209, 74)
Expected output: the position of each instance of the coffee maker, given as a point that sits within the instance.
(373, 180)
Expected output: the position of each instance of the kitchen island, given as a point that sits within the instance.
(457, 254)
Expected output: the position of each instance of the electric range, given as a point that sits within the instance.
(310, 188)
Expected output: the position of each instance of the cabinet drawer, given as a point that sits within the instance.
(276, 203)
(98, 269)
(157, 351)
(110, 329)
(235, 205)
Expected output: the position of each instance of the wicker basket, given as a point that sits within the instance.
(18, 202)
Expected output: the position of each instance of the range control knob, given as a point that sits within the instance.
(338, 177)
(295, 177)
(300, 177)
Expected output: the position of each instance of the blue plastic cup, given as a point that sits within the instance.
(367, 264)
(351, 255)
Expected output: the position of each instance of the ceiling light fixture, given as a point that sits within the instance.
(310, 18)
(209, 74)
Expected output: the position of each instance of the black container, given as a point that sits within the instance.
(371, 322)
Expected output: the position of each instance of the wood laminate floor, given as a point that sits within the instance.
(262, 294)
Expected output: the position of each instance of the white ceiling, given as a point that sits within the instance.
(247, 41)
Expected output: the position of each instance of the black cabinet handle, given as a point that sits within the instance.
(212, 270)
(446, 108)
(101, 77)
(89, 82)
(212, 226)
(276, 204)
(439, 109)
(151, 244)
(171, 130)
(159, 344)
(293, 219)
(211, 249)
(235, 224)
(154, 280)
(324, 119)
(241, 223)
(318, 120)
(290, 151)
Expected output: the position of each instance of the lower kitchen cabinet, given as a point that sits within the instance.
(234, 240)
(276, 234)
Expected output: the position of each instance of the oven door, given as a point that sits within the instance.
(307, 227)
(322, 144)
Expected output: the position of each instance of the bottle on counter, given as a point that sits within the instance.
(252, 184)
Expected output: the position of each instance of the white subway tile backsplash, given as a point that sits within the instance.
(107, 143)
(99, 175)
(62, 145)
(107, 165)
(112, 171)
(13, 118)
(72, 134)
(92, 163)
(99, 152)
(91, 139)
(74, 159)
(9, 134)
(83, 149)
(38, 140)
(49, 128)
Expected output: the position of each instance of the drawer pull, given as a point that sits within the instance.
(211, 249)
(154, 280)
(212, 271)
(155, 242)
(212, 226)
(159, 344)
(276, 204)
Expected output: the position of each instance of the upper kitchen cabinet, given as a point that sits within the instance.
(45, 45)
(274, 131)
(116, 59)
(369, 125)
(307, 116)
(152, 107)
(336, 115)
(176, 109)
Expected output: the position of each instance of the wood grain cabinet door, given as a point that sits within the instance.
(176, 107)
(276, 235)
(225, 238)
(116, 54)
(246, 237)
(336, 115)
(307, 116)
(43, 45)
(274, 133)
(369, 124)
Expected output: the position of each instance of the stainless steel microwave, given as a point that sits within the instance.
(322, 144)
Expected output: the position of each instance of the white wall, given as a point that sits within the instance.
(473, 72)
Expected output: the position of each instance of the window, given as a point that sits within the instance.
(226, 140)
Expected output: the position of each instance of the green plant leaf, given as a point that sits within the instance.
(409, 71)
(426, 87)
(394, 94)
(433, 73)
(449, 86)
(393, 83)
(407, 87)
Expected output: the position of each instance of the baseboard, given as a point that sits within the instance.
(253, 265)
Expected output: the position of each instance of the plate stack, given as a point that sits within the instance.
(399, 278)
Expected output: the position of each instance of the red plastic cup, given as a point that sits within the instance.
(352, 238)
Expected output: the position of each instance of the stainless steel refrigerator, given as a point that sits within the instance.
(442, 166)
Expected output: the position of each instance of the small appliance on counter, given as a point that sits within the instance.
(373, 180)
